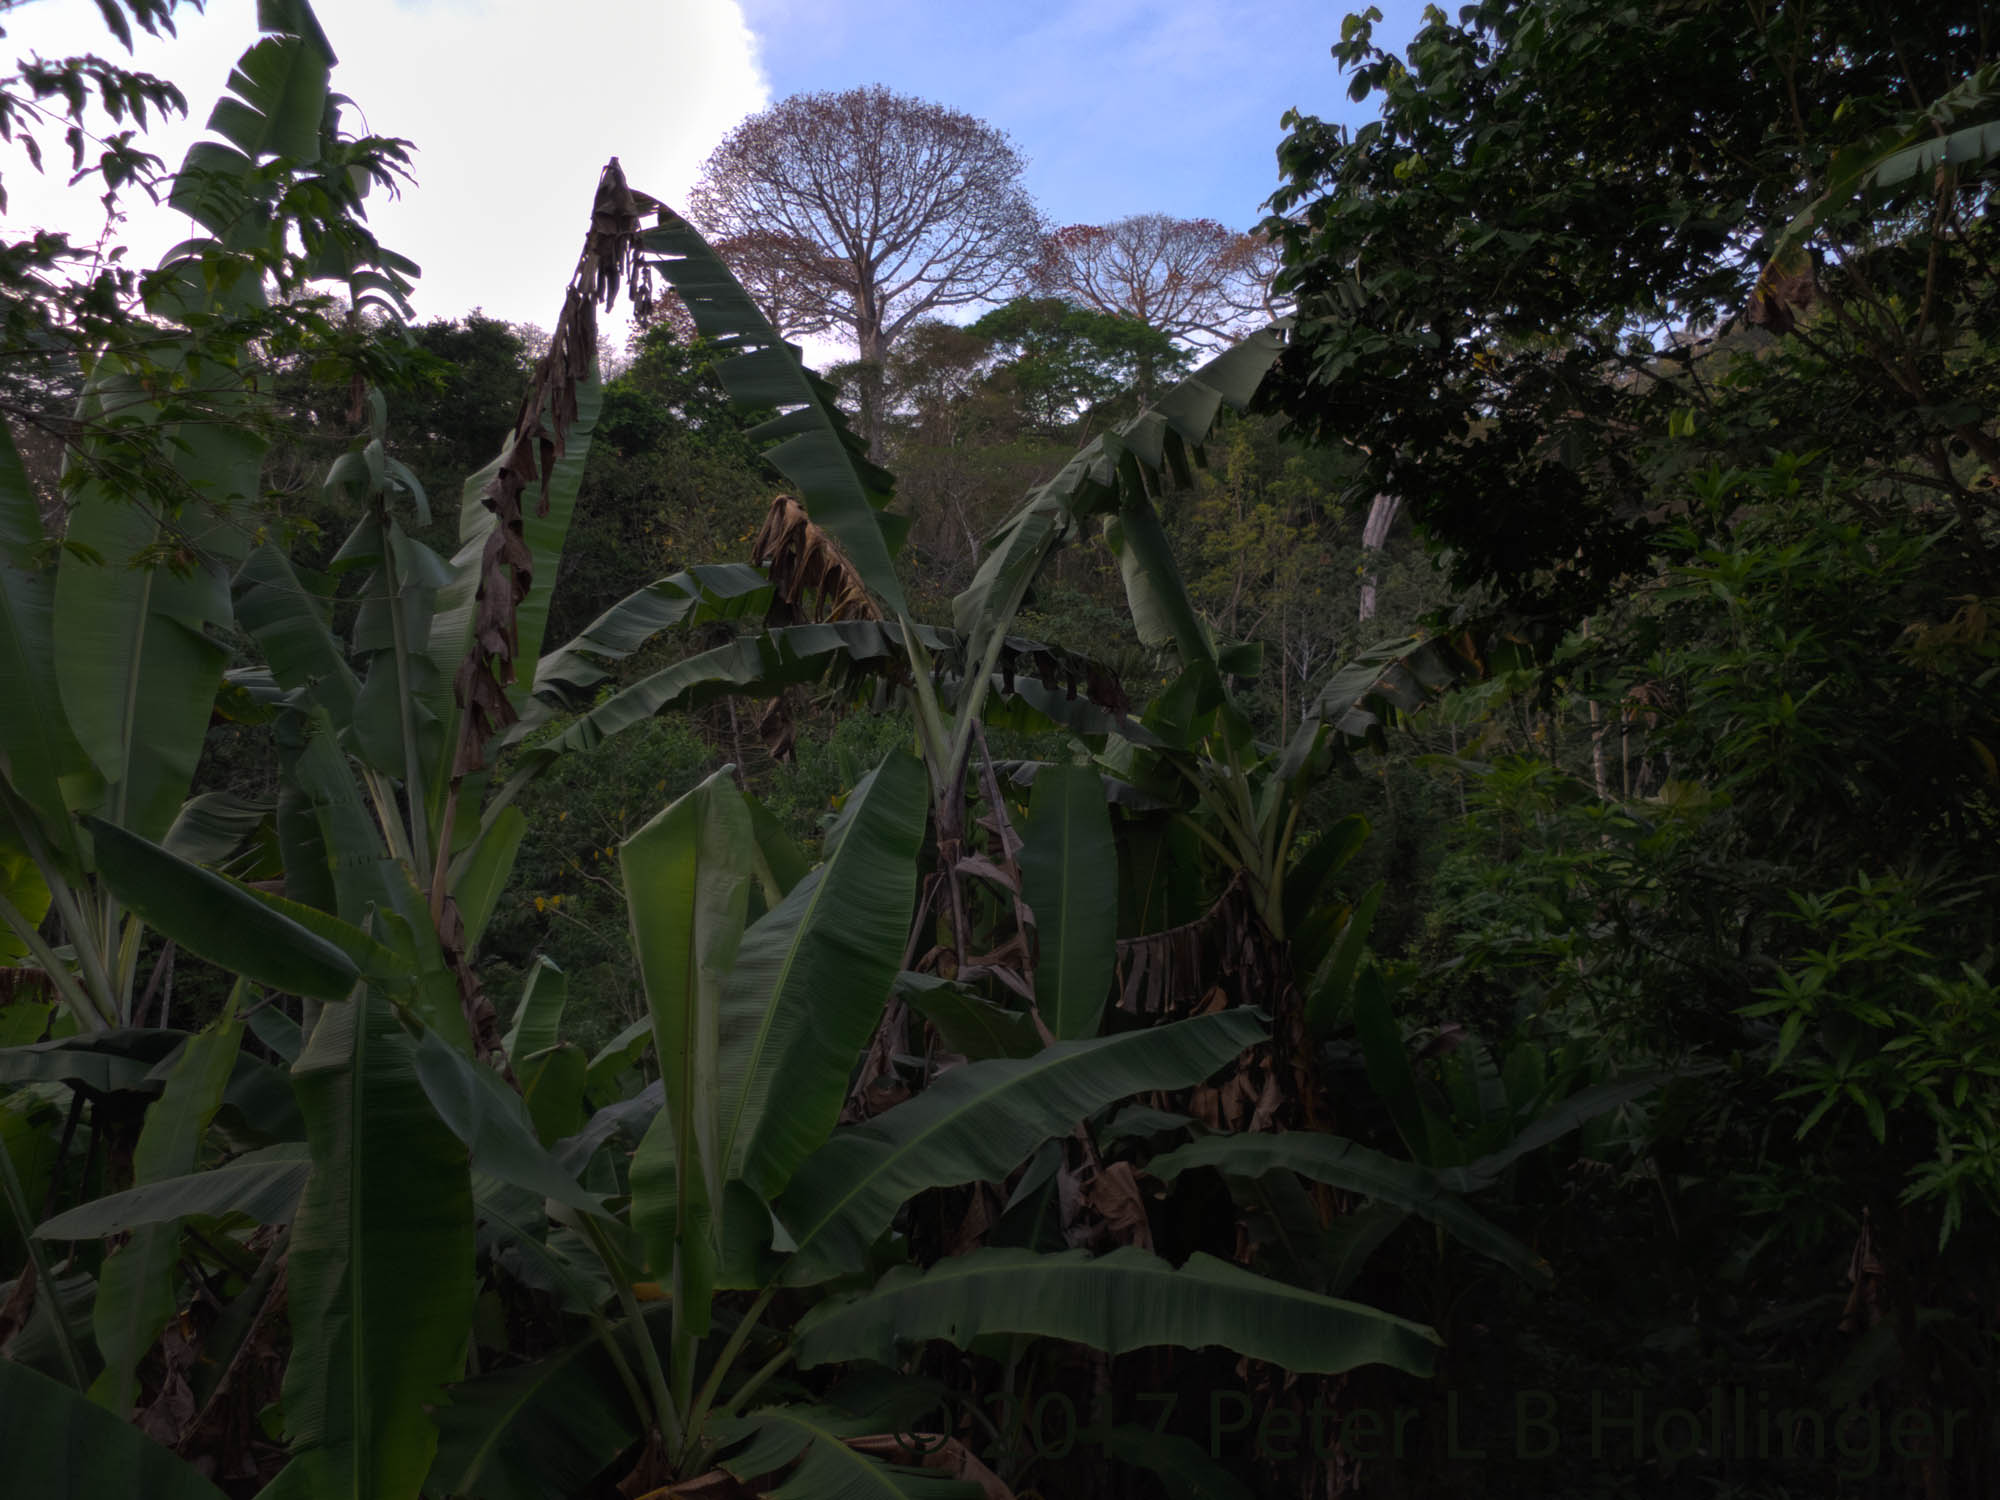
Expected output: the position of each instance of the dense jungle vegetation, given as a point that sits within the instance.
(1405, 907)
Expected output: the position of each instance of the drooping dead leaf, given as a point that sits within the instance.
(172, 1410)
(1228, 957)
(1101, 1206)
(540, 437)
(811, 578)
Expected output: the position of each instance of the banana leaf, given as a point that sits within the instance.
(262, 1186)
(811, 980)
(36, 744)
(221, 920)
(62, 1447)
(970, 1025)
(687, 874)
(841, 489)
(813, 1439)
(1069, 878)
(1354, 1168)
(137, 1283)
(978, 1121)
(1121, 468)
(381, 1278)
(1126, 1300)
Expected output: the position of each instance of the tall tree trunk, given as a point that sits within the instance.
(1381, 516)
(874, 347)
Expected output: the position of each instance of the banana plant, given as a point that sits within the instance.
(764, 986)
(744, 1187)
(132, 600)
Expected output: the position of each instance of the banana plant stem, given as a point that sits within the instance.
(63, 897)
(705, 1397)
(664, 1412)
(17, 1201)
(763, 1373)
(87, 1012)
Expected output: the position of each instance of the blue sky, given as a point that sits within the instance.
(1121, 107)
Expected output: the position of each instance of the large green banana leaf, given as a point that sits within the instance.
(1402, 674)
(539, 1431)
(812, 978)
(222, 920)
(289, 624)
(544, 993)
(140, 666)
(36, 745)
(487, 866)
(709, 592)
(687, 887)
(1556, 1122)
(492, 1121)
(813, 1439)
(136, 1286)
(842, 491)
(1118, 470)
(970, 1025)
(1346, 1164)
(1162, 612)
(59, 1446)
(140, 662)
(381, 1280)
(1126, 1300)
(332, 845)
(1069, 878)
(976, 1122)
(261, 1185)
(280, 89)
(766, 661)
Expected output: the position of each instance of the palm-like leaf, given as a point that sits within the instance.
(814, 1438)
(687, 885)
(977, 1122)
(1069, 878)
(61, 1447)
(1126, 1300)
(812, 978)
(843, 492)
(261, 1185)
(381, 1279)
(1346, 1164)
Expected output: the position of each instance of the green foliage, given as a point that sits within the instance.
(1067, 367)
(1489, 328)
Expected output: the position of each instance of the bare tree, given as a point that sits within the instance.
(1193, 279)
(866, 210)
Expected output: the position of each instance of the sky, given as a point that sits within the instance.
(1120, 107)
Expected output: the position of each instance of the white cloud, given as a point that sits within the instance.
(514, 106)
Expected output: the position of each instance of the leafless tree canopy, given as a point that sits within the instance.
(866, 210)
(1193, 279)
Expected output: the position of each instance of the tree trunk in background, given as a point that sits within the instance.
(1381, 516)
